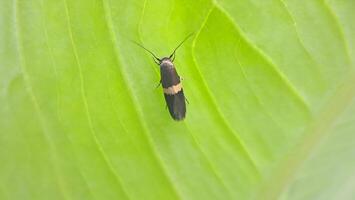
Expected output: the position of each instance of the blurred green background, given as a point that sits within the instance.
(270, 84)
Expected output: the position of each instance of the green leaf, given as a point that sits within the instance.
(270, 85)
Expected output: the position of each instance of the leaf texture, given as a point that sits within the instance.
(270, 85)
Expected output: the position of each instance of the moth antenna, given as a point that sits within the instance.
(187, 37)
(146, 50)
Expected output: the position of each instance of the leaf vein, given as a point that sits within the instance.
(213, 101)
(282, 76)
(29, 90)
(134, 101)
(87, 113)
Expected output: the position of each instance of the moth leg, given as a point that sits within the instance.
(158, 84)
(156, 61)
(187, 101)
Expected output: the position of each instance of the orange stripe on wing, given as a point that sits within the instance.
(173, 89)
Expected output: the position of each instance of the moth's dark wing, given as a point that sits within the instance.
(176, 105)
(174, 95)
(169, 76)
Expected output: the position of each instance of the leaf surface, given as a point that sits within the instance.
(270, 85)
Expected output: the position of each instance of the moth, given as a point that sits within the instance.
(171, 83)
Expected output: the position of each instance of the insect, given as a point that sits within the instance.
(171, 82)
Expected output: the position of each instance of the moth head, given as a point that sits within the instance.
(166, 61)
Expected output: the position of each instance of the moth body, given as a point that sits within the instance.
(173, 92)
(170, 80)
